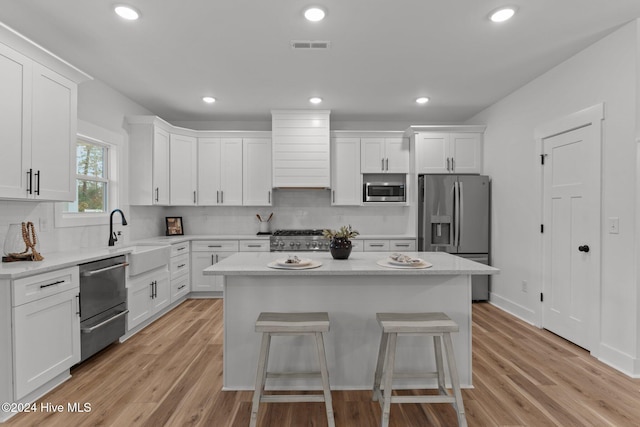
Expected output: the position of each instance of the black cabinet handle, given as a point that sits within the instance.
(37, 191)
(79, 309)
(181, 265)
(584, 248)
(30, 184)
(51, 284)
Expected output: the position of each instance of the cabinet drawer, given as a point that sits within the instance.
(376, 245)
(179, 288)
(179, 266)
(179, 249)
(42, 285)
(357, 246)
(255, 245)
(215, 246)
(402, 245)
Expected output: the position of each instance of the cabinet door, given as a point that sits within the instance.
(372, 155)
(15, 104)
(200, 261)
(346, 179)
(139, 300)
(183, 170)
(160, 167)
(219, 280)
(432, 153)
(162, 296)
(46, 336)
(466, 151)
(256, 171)
(231, 172)
(54, 124)
(208, 171)
(397, 155)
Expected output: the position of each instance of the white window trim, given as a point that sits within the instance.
(115, 164)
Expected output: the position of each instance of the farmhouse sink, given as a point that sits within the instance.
(146, 258)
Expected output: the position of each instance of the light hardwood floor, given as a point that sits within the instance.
(171, 374)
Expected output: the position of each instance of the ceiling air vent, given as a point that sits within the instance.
(310, 44)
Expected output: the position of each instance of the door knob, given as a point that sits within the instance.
(583, 248)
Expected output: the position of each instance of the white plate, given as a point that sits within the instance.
(303, 261)
(311, 264)
(386, 262)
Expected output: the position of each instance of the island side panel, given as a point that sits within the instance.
(353, 340)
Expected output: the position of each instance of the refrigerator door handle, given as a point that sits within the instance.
(460, 211)
(454, 234)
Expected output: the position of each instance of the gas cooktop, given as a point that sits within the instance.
(298, 240)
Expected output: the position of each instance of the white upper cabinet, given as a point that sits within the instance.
(346, 179)
(256, 172)
(38, 128)
(219, 171)
(301, 148)
(385, 155)
(183, 170)
(149, 145)
(449, 152)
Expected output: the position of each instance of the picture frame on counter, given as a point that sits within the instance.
(174, 226)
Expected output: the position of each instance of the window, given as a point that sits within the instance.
(98, 165)
(92, 177)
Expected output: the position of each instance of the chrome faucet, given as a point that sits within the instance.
(112, 236)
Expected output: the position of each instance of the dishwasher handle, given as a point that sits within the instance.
(102, 270)
(109, 320)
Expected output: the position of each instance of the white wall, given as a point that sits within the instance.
(605, 72)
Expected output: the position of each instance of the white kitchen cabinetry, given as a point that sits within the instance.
(385, 155)
(301, 148)
(147, 294)
(148, 161)
(38, 128)
(391, 245)
(346, 179)
(183, 170)
(205, 253)
(448, 152)
(46, 328)
(256, 172)
(220, 171)
(180, 268)
(262, 245)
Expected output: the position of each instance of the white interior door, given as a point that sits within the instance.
(571, 210)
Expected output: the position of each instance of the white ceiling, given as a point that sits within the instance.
(383, 54)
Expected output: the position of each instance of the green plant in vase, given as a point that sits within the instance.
(340, 244)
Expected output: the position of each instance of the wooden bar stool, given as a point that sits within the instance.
(271, 324)
(438, 325)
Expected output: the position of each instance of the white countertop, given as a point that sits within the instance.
(58, 260)
(359, 263)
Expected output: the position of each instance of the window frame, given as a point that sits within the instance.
(114, 167)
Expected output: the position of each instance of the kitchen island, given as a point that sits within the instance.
(351, 291)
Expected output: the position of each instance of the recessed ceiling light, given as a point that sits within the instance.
(315, 100)
(314, 13)
(127, 12)
(209, 99)
(502, 14)
(422, 100)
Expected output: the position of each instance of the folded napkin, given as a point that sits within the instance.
(403, 258)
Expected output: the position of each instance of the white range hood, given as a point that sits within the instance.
(301, 148)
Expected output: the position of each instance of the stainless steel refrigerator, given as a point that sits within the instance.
(453, 216)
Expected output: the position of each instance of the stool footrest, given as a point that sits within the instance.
(416, 375)
(314, 374)
(423, 399)
(295, 398)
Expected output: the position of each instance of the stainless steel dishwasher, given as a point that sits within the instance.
(103, 304)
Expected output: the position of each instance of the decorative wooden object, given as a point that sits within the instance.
(30, 241)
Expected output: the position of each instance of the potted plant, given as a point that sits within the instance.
(340, 245)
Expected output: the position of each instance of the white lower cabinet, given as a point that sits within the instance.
(46, 328)
(394, 245)
(147, 294)
(202, 260)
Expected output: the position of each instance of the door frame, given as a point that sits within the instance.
(591, 116)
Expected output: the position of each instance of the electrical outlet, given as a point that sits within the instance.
(44, 224)
(524, 286)
(614, 225)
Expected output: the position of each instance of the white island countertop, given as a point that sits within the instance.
(358, 264)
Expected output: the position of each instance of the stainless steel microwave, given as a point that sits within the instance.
(378, 191)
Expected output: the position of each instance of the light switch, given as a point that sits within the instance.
(614, 225)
